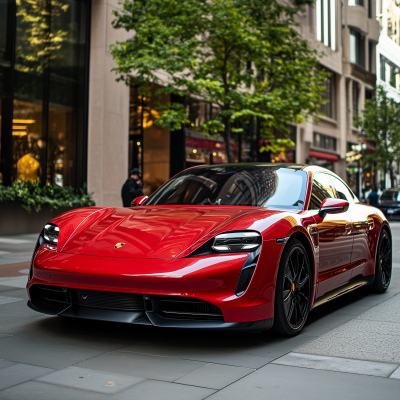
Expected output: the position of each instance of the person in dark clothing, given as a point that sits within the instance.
(373, 197)
(132, 188)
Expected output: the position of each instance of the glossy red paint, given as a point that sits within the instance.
(158, 242)
(139, 201)
(334, 206)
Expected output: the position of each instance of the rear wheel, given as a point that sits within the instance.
(383, 268)
(293, 290)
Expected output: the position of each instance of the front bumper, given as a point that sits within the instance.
(211, 279)
(150, 318)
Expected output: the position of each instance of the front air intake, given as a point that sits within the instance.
(51, 299)
(188, 308)
(247, 273)
(109, 300)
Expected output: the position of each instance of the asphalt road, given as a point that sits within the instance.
(348, 349)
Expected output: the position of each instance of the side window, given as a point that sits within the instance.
(342, 190)
(321, 189)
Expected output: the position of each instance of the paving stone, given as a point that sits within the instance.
(5, 363)
(396, 374)
(389, 311)
(6, 300)
(48, 352)
(214, 376)
(142, 365)
(18, 373)
(227, 355)
(33, 390)
(156, 390)
(359, 339)
(88, 379)
(283, 382)
(18, 282)
(337, 364)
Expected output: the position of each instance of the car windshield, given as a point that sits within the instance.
(238, 185)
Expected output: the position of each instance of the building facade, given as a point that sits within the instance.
(67, 121)
(388, 48)
(347, 32)
(44, 55)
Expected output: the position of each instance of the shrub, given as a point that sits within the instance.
(32, 196)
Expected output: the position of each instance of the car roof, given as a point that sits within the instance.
(306, 167)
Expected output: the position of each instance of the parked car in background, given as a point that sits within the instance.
(389, 203)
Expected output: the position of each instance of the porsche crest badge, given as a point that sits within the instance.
(118, 245)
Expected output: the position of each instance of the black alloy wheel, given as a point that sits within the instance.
(293, 290)
(383, 268)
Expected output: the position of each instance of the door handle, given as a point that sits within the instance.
(349, 228)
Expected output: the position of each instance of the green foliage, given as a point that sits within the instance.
(201, 48)
(380, 119)
(32, 196)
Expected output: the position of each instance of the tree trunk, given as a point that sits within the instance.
(392, 185)
(227, 138)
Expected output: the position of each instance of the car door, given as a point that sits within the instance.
(363, 225)
(335, 238)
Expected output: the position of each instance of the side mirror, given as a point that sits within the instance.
(139, 201)
(333, 206)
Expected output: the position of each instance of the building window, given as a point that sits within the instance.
(356, 95)
(369, 94)
(357, 48)
(389, 73)
(45, 134)
(356, 3)
(324, 141)
(326, 22)
(329, 96)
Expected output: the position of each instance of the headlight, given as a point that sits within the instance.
(236, 241)
(50, 233)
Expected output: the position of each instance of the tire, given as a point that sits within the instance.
(383, 264)
(293, 290)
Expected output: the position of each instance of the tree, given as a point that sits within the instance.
(243, 56)
(380, 119)
(37, 41)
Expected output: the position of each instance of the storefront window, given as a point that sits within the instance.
(6, 56)
(148, 142)
(49, 92)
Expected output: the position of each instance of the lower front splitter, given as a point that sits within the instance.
(151, 318)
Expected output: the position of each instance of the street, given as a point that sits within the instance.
(348, 349)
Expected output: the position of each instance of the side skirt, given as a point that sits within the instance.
(342, 290)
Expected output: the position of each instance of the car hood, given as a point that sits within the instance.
(157, 231)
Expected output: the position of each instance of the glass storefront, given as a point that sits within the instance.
(161, 154)
(149, 143)
(44, 53)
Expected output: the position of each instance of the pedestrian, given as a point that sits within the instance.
(373, 197)
(132, 188)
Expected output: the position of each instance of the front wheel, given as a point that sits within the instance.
(383, 267)
(293, 290)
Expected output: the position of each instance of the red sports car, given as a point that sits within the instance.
(231, 246)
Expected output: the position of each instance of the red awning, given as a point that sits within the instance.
(323, 156)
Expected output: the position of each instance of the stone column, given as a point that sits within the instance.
(108, 128)
(342, 125)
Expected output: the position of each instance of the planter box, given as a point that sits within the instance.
(14, 220)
